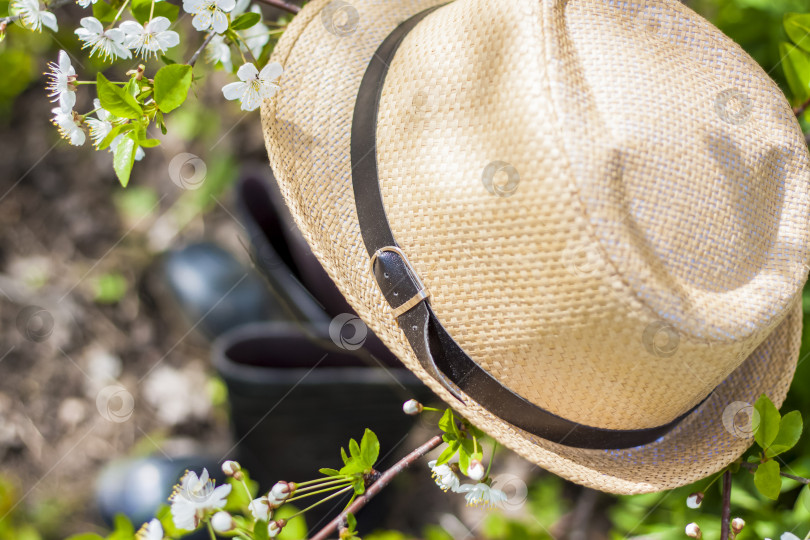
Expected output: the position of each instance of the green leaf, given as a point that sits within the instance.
(369, 448)
(115, 132)
(767, 479)
(140, 10)
(351, 521)
(803, 500)
(122, 528)
(260, 530)
(328, 472)
(171, 86)
(124, 158)
(344, 456)
(790, 429)
(295, 529)
(796, 65)
(447, 423)
(769, 418)
(448, 453)
(245, 20)
(103, 11)
(359, 486)
(116, 100)
(354, 448)
(463, 459)
(797, 27)
(166, 60)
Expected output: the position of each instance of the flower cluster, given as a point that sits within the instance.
(143, 30)
(479, 494)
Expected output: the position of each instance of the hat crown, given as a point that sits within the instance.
(592, 201)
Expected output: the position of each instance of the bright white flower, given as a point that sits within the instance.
(694, 500)
(86, 3)
(222, 522)
(195, 496)
(260, 508)
(32, 16)
(69, 124)
(412, 407)
(209, 14)
(255, 87)
(257, 36)
(482, 495)
(153, 38)
(693, 531)
(109, 44)
(61, 83)
(788, 536)
(150, 531)
(476, 470)
(273, 528)
(230, 468)
(219, 51)
(281, 491)
(444, 476)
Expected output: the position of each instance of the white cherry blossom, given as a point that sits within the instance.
(194, 497)
(255, 87)
(61, 77)
(152, 39)
(109, 44)
(69, 124)
(482, 495)
(209, 14)
(32, 16)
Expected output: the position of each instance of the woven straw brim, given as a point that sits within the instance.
(307, 132)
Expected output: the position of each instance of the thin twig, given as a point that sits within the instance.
(753, 467)
(281, 4)
(725, 516)
(199, 51)
(334, 525)
(56, 4)
(801, 108)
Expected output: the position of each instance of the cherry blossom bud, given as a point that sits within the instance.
(693, 531)
(737, 525)
(261, 509)
(222, 522)
(274, 527)
(412, 407)
(230, 468)
(695, 500)
(281, 491)
(476, 470)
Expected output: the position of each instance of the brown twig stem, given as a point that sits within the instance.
(725, 516)
(281, 4)
(801, 108)
(199, 51)
(334, 525)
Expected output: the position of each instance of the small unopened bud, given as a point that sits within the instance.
(476, 470)
(412, 407)
(222, 522)
(281, 491)
(737, 524)
(694, 500)
(230, 468)
(274, 527)
(693, 531)
(260, 508)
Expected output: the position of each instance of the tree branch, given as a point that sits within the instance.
(334, 525)
(753, 467)
(725, 517)
(199, 51)
(282, 5)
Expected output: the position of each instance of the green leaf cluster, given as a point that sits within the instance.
(359, 461)
(796, 55)
(775, 434)
(462, 440)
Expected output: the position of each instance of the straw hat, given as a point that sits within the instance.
(607, 204)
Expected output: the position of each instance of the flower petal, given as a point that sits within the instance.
(247, 72)
(49, 19)
(271, 71)
(233, 90)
